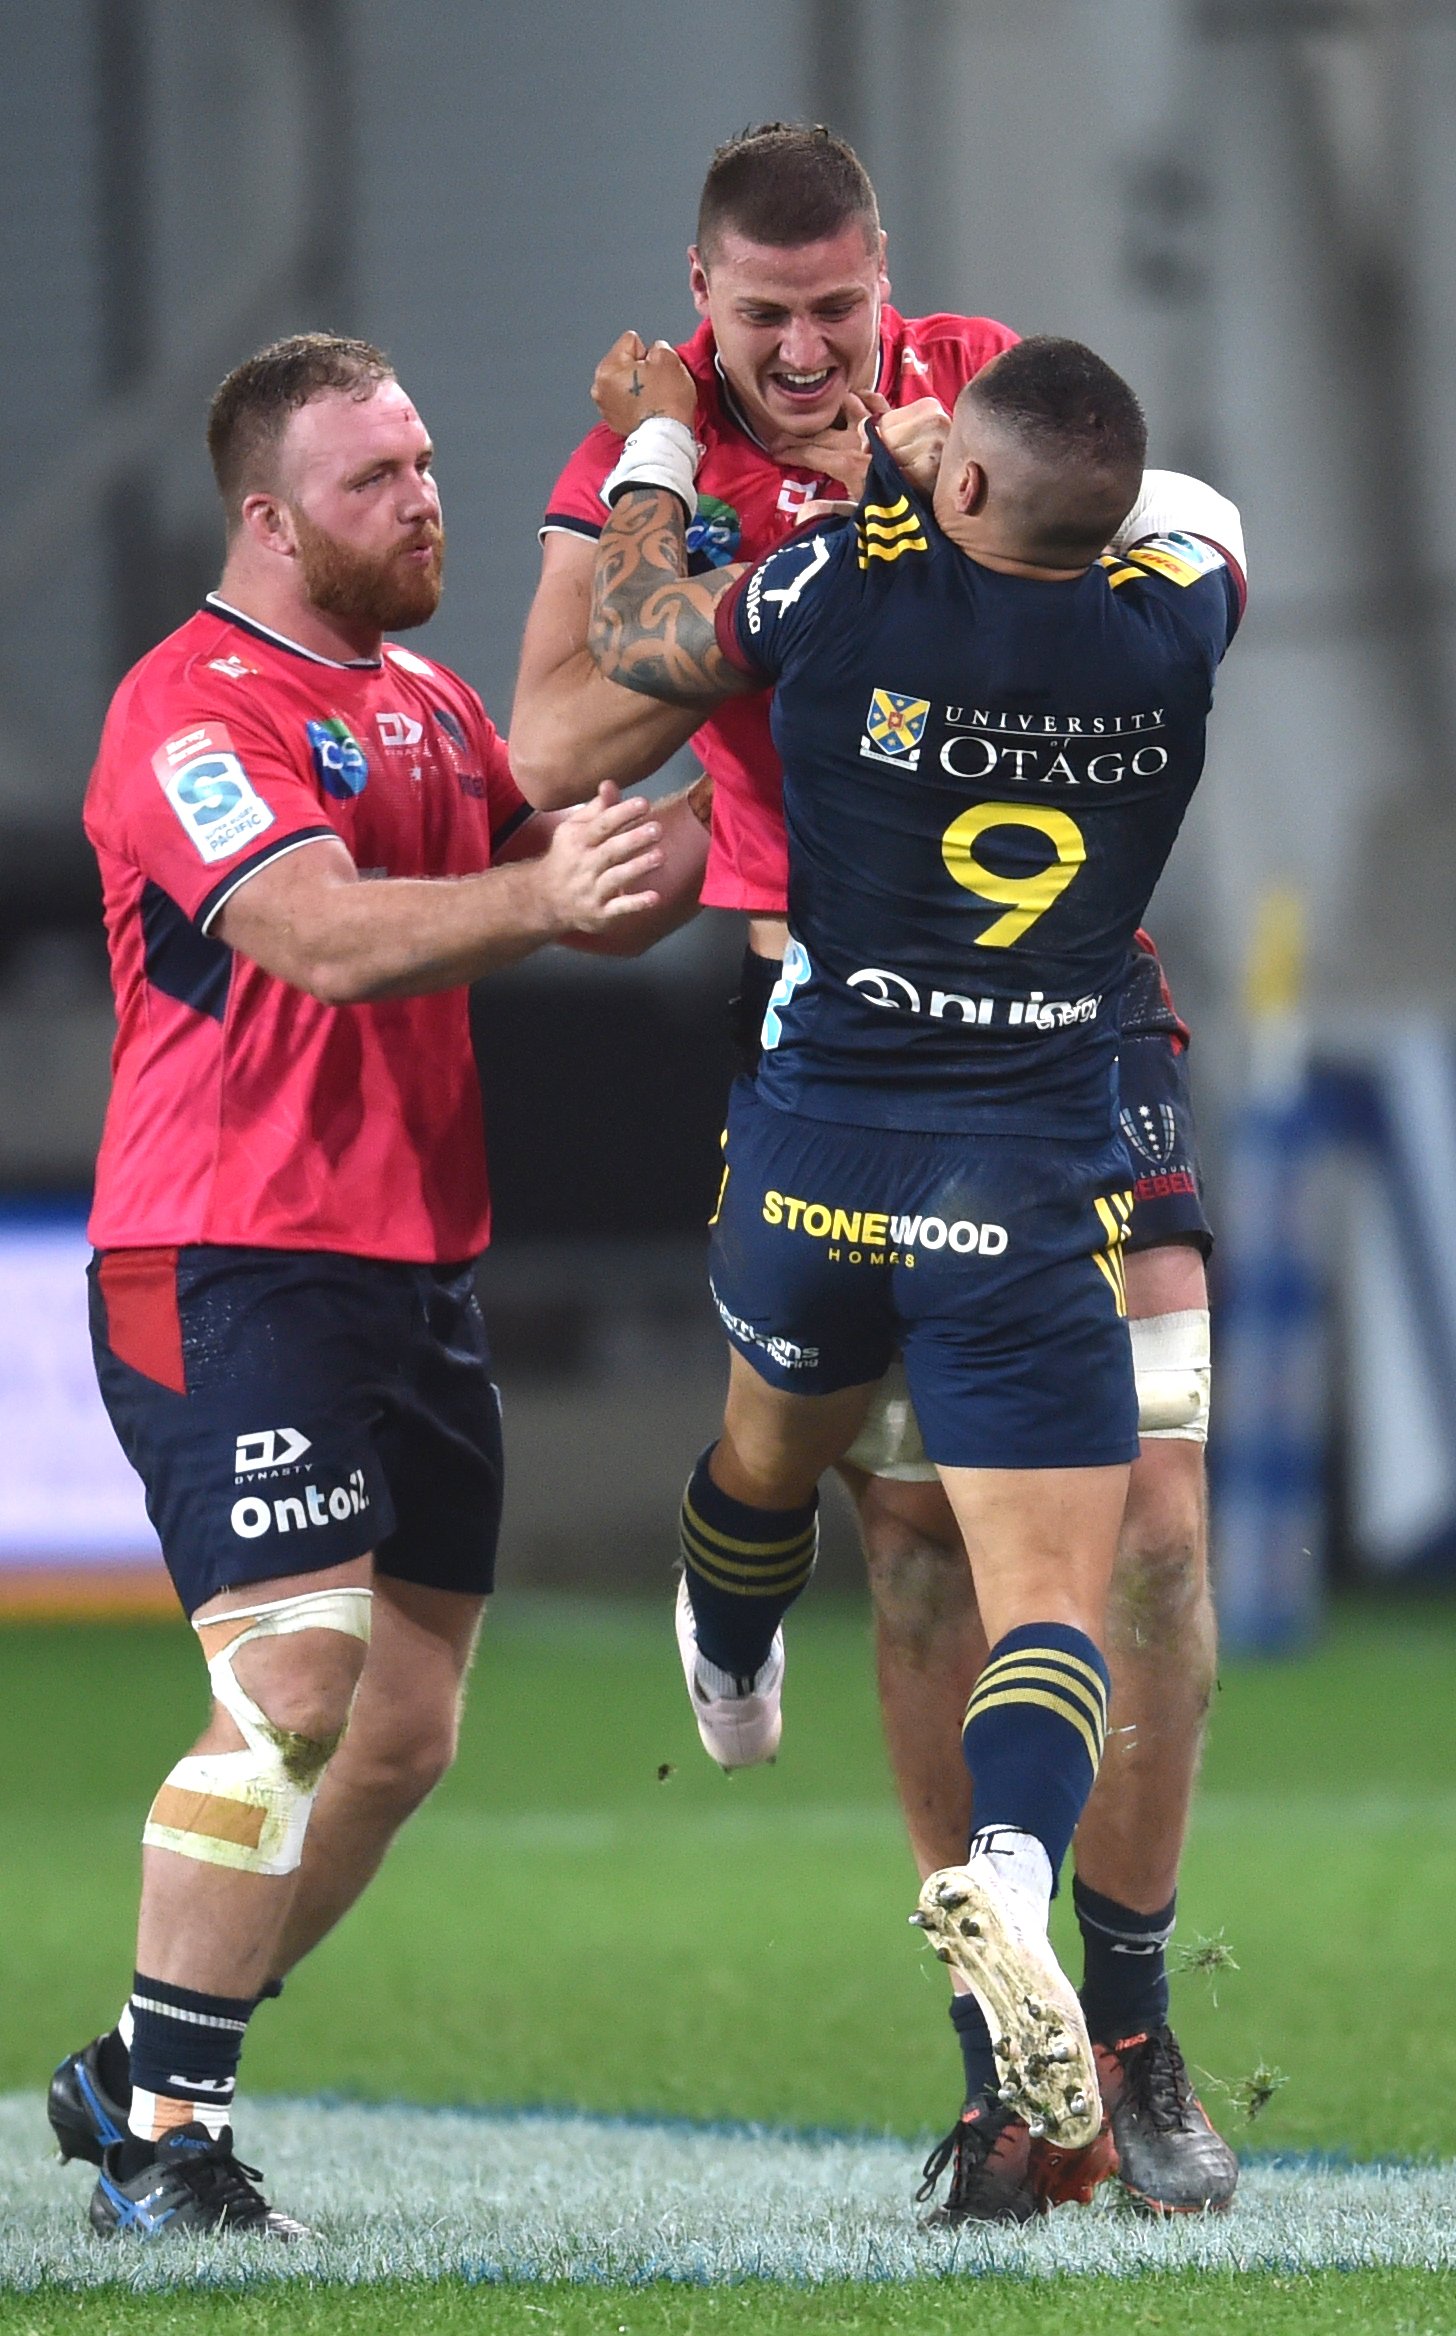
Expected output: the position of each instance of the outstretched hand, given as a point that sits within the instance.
(598, 861)
(633, 381)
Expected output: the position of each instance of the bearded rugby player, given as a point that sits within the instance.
(948, 1176)
(797, 340)
(290, 1196)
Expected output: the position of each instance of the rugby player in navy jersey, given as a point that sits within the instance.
(798, 336)
(990, 734)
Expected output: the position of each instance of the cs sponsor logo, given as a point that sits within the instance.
(219, 807)
(882, 1236)
(894, 727)
(270, 1448)
(714, 533)
(339, 761)
(231, 665)
(253, 1516)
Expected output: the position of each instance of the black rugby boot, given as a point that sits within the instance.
(1171, 2159)
(84, 2117)
(187, 2181)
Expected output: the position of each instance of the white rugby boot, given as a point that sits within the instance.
(740, 1724)
(994, 1935)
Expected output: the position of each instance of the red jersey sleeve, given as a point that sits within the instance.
(199, 803)
(575, 506)
(507, 806)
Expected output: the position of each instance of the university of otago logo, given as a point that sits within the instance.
(894, 727)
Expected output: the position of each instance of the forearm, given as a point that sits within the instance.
(652, 628)
(397, 937)
(574, 728)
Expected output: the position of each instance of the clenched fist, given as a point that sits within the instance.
(633, 381)
(915, 435)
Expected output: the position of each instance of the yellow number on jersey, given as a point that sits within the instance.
(1025, 898)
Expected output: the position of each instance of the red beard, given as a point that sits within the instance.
(389, 593)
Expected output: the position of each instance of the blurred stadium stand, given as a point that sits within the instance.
(1250, 205)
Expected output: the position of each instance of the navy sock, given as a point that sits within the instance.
(974, 2038)
(113, 2066)
(113, 2052)
(185, 2049)
(745, 1567)
(1125, 1971)
(1033, 1733)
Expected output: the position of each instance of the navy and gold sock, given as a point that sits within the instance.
(1034, 1731)
(745, 1567)
(1125, 1971)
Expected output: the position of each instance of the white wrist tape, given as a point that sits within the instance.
(660, 453)
(1172, 504)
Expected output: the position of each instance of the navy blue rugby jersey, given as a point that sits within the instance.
(983, 776)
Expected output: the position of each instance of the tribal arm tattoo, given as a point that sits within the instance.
(651, 625)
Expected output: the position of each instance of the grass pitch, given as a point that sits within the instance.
(567, 1927)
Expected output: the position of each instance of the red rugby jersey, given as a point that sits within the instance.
(243, 1110)
(747, 504)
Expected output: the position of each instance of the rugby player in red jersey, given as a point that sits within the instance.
(310, 843)
(798, 341)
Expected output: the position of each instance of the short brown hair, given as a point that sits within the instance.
(785, 183)
(250, 410)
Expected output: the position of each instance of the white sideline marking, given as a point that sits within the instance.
(423, 2193)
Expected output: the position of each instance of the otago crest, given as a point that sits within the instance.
(894, 728)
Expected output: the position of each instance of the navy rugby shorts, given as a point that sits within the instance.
(1157, 1120)
(290, 1410)
(994, 1264)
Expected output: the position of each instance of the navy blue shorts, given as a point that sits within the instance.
(290, 1410)
(1157, 1109)
(993, 1264)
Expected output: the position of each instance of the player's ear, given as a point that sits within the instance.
(974, 488)
(885, 286)
(697, 279)
(269, 522)
(961, 487)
